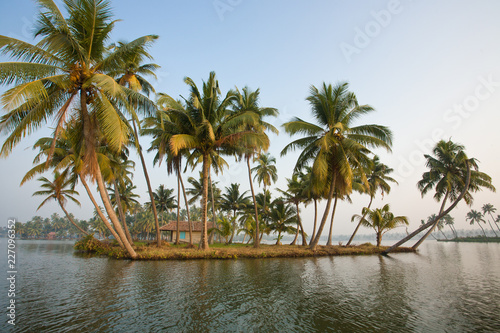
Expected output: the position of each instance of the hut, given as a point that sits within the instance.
(169, 230)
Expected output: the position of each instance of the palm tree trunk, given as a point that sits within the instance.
(480, 226)
(100, 213)
(299, 224)
(442, 233)
(204, 200)
(71, 220)
(315, 218)
(177, 233)
(187, 211)
(314, 243)
(150, 190)
(329, 242)
(120, 211)
(296, 236)
(417, 244)
(452, 231)
(359, 224)
(256, 243)
(214, 218)
(111, 213)
(440, 216)
(234, 227)
(492, 228)
(379, 238)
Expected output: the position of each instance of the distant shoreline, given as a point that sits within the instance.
(472, 240)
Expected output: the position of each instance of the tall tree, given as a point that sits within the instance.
(489, 209)
(248, 101)
(282, 216)
(64, 75)
(58, 190)
(215, 131)
(475, 216)
(446, 175)
(164, 200)
(334, 146)
(266, 174)
(234, 201)
(131, 74)
(378, 179)
(295, 194)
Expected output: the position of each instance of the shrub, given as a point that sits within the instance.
(91, 245)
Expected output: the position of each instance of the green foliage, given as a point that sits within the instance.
(91, 245)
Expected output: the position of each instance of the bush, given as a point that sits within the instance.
(91, 245)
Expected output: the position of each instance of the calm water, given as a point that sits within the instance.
(444, 288)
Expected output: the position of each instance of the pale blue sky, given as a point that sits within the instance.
(416, 62)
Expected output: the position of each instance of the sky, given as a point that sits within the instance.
(429, 69)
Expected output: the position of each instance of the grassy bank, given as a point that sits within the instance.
(476, 239)
(168, 251)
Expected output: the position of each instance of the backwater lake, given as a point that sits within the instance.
(445, 287)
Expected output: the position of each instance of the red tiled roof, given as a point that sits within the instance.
(184, 226)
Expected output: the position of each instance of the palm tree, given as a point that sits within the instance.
(164, 200)
(131, 75)
(311, 192)
(378, 178)
(64, 76)
(447, 177)
(294, 194)
(248, 101)
(282, 216)
(225, 227)
(475, 216)
(58, 190)
(489, 209)
(266, 174)
(334, 146)
(214, 131)
(450, 221)
(381, 220)
(234, 201)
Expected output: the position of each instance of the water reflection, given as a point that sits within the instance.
(446, 287)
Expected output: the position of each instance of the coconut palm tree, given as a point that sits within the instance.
(378, 179)
(131, 74)
(450, 221)
(477, 217)
(295, 194)
(234, 201)
(282, 217)
(266, 174)
(164, 200)
(312, 191)
(64, 75)
(58, 190)
(215, 131)
(381, 220)
(334, 146)
(248, 101)
(489, 209)
(225, 227)
(447, 177)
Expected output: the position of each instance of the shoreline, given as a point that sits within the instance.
(234, 251)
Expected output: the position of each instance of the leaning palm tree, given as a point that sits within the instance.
(266, 174)
(450, 221)
(475, 216)
(131, 74)
(334, 145)
(58, 190)
(489, 209)
(381, 220)
(64, 75)
(378, 179)
(447, 177)
(212, 130)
